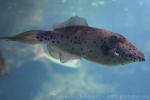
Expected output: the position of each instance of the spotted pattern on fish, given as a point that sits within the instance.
(97, 45)
(76, 38)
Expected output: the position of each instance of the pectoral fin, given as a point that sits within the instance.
(53, 51)
(63, 56)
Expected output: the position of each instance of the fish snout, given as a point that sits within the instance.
(140, 56)
(136, 56)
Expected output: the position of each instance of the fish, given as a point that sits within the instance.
(75, 39)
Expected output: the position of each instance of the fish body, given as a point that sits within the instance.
(98, 45)
(74, 39)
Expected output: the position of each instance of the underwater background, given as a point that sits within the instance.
(31, 76)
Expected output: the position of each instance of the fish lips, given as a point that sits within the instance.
(139, 56)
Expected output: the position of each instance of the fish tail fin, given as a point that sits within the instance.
(29, 37)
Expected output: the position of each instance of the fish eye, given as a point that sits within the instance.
(117, 38)
(113, 39)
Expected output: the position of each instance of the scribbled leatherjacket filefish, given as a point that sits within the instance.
(74, 39)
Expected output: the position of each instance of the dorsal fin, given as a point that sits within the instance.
(73, 21)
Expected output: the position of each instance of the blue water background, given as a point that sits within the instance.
(30, 79)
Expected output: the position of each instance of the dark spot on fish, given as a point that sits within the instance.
(46, 38)
(72, 48)
(129, 55)
(42, 36)
(57, 42)
(50, 36)
(101, 41)
(105, 49)
(38, 37)
(134, 53)
(45, 34)
(75, 37)
(71, 40)
(61, 36)
(79, 40)
(104, 42)
(53, 41)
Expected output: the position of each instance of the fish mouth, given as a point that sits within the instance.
(140, 59)
(139, 56)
